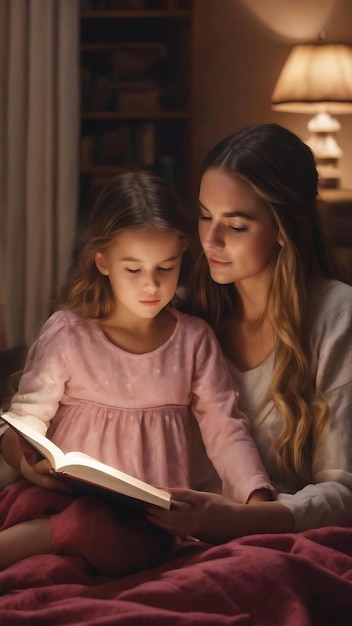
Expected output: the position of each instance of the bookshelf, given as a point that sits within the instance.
(137, 92)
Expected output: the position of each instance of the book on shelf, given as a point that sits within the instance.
(86, 475)
(126, 143)
(98, 92)
(113, 146)
(137, 95)
(145, 144)
(102, 97)
(136, 61)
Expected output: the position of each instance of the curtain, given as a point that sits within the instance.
(39, 139)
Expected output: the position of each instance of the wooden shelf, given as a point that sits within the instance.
(131, 14)
(101, 169)
(136, 115)
(97, 47)
(138, 94)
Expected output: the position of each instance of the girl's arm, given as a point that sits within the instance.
(40, 390)
(224, 428)
(213, 518)
(10, 449)
(47, 369)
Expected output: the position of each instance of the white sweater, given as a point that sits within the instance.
(328, 500)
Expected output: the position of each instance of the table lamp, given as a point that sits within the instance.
(317, 78)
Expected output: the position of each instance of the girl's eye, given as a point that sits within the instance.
(165, 269)
(131, 271)
(204, 218)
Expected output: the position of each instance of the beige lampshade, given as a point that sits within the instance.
(315, 78)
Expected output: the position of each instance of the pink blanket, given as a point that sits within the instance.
(263, 580)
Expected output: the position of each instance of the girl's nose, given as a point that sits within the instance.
(151, 284)
(215, 237)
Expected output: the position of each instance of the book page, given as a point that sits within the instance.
(84, 467)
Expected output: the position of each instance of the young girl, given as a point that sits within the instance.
(262, 281)
(120, 375)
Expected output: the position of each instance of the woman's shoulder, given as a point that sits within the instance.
(331, 335)
(328, 296)
(330, 308)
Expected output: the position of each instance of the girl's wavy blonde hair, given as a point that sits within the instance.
(281, 170)
(134, 199)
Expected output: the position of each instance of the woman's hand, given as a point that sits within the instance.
(213, 518)
(260, 495)
(203, 515)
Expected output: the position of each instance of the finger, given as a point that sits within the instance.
(174, 529)
(52, 483)
(157, 522)
(184, 495)
(175, 516)
(156, 515)
(43, 467)
(177, 504)
(162, 519)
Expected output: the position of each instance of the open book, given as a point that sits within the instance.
(85, 475)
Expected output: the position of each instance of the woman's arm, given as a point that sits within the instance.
(213, 518)
(328, 500)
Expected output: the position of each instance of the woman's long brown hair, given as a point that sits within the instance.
(281, 170)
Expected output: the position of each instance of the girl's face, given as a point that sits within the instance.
(238, 233)
(143, 268)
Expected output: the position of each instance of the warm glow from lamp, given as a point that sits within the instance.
(318, 79)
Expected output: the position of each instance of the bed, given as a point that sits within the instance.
(261, 580)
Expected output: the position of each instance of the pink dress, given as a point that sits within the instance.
(142, 413)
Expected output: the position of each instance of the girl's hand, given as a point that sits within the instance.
(205, 516)
(38, 472)
(23, 458)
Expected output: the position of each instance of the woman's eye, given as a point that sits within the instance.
(165, 269)
(239, 229)
(131, 271)
(204, 218)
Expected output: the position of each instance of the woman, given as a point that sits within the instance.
(262, 281)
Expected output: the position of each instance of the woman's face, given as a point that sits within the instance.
(237, 230)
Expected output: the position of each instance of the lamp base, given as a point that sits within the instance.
(328, 176)
(325, 148)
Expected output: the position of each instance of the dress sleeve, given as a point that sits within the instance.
(224, 429)
(46, 371)
(328, 501)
